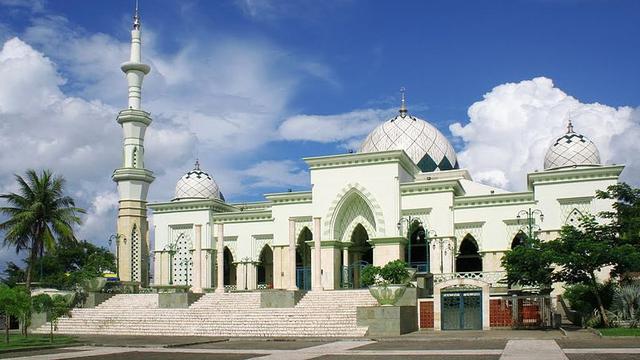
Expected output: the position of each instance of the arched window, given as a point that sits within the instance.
(469, 259)
(229, 268)
(518, 240)
(265, 268)
(417, 250)
(574, 218)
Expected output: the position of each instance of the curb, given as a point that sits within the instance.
(44, 347)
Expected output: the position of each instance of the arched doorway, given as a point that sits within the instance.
(229, 268)
(417, 250)
(518, 240)
(469, 260)
(303, 260)
(265, 268)
(360, 254)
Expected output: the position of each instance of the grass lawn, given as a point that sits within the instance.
(17, 341)
(620, 332)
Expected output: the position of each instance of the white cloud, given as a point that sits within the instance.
(274, 173)
(510, 130)
(349, 128)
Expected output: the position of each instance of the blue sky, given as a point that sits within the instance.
(498, 78)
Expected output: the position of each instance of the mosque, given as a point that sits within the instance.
(403, 195)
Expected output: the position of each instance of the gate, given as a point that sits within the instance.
(532, 311)
(351, 278)
(462, 310)
(303, 278)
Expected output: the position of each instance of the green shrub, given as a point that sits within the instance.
(369, 275)
(582, 300)
(395, 272)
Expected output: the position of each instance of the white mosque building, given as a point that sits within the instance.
(403, 195)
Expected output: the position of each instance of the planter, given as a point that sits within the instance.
(387, 295)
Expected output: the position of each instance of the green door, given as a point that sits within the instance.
(461, 310)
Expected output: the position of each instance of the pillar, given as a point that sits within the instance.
(220, 259)
(196, 285)
(157, 268)
(316, 284)
(292, 256)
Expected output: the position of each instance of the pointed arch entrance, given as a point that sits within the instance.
(417, 250)
(358, 255)
(303, 259)
(469, 259)
(265, 268)
(229, 268)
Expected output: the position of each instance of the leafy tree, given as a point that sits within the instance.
(13, 274)
(39, 216)
(7, 302)
(55, 307)
(529, 264)
(580, 253)
(625, 221)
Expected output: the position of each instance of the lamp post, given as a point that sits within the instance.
(117, 238)
(409, 220)
(530, 217)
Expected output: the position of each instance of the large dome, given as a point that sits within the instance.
(571, 149)
(197, 184)
(424, 144)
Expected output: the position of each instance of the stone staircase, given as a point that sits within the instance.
(320, 314)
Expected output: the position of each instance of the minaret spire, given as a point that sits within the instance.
(132, 177)
(136, 18)
(134, 68)
(403, 105)
(569, 126)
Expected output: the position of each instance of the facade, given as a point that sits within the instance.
(403, 196)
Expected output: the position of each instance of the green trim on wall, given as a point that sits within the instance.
(294, 197)
(431, 186)
(363, 159)
(388, 240)
(192, 205)
(605, 172)
(241, 217)
(518, 198)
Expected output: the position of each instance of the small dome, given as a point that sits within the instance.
(197, 184)
(571, 149)
(425, 145)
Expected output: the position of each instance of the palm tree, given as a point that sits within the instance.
(39, 216)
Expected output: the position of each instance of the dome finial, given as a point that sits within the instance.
(569, 127)
(403, 105)
(197, 165)
(136, 18)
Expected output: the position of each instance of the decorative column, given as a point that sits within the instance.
(292, 255)
(197, 261)
(316, 284)
(132, 177)
(220, 259)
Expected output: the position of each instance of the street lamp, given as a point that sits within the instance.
(530, 216)
(409, 221)
(448, 247)
(117, 238)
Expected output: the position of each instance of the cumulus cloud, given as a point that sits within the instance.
(276, 173)
(348, 128)
(510, 130)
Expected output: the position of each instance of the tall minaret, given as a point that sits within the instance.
(132, 177)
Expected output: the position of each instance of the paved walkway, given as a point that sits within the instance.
(345, 349)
